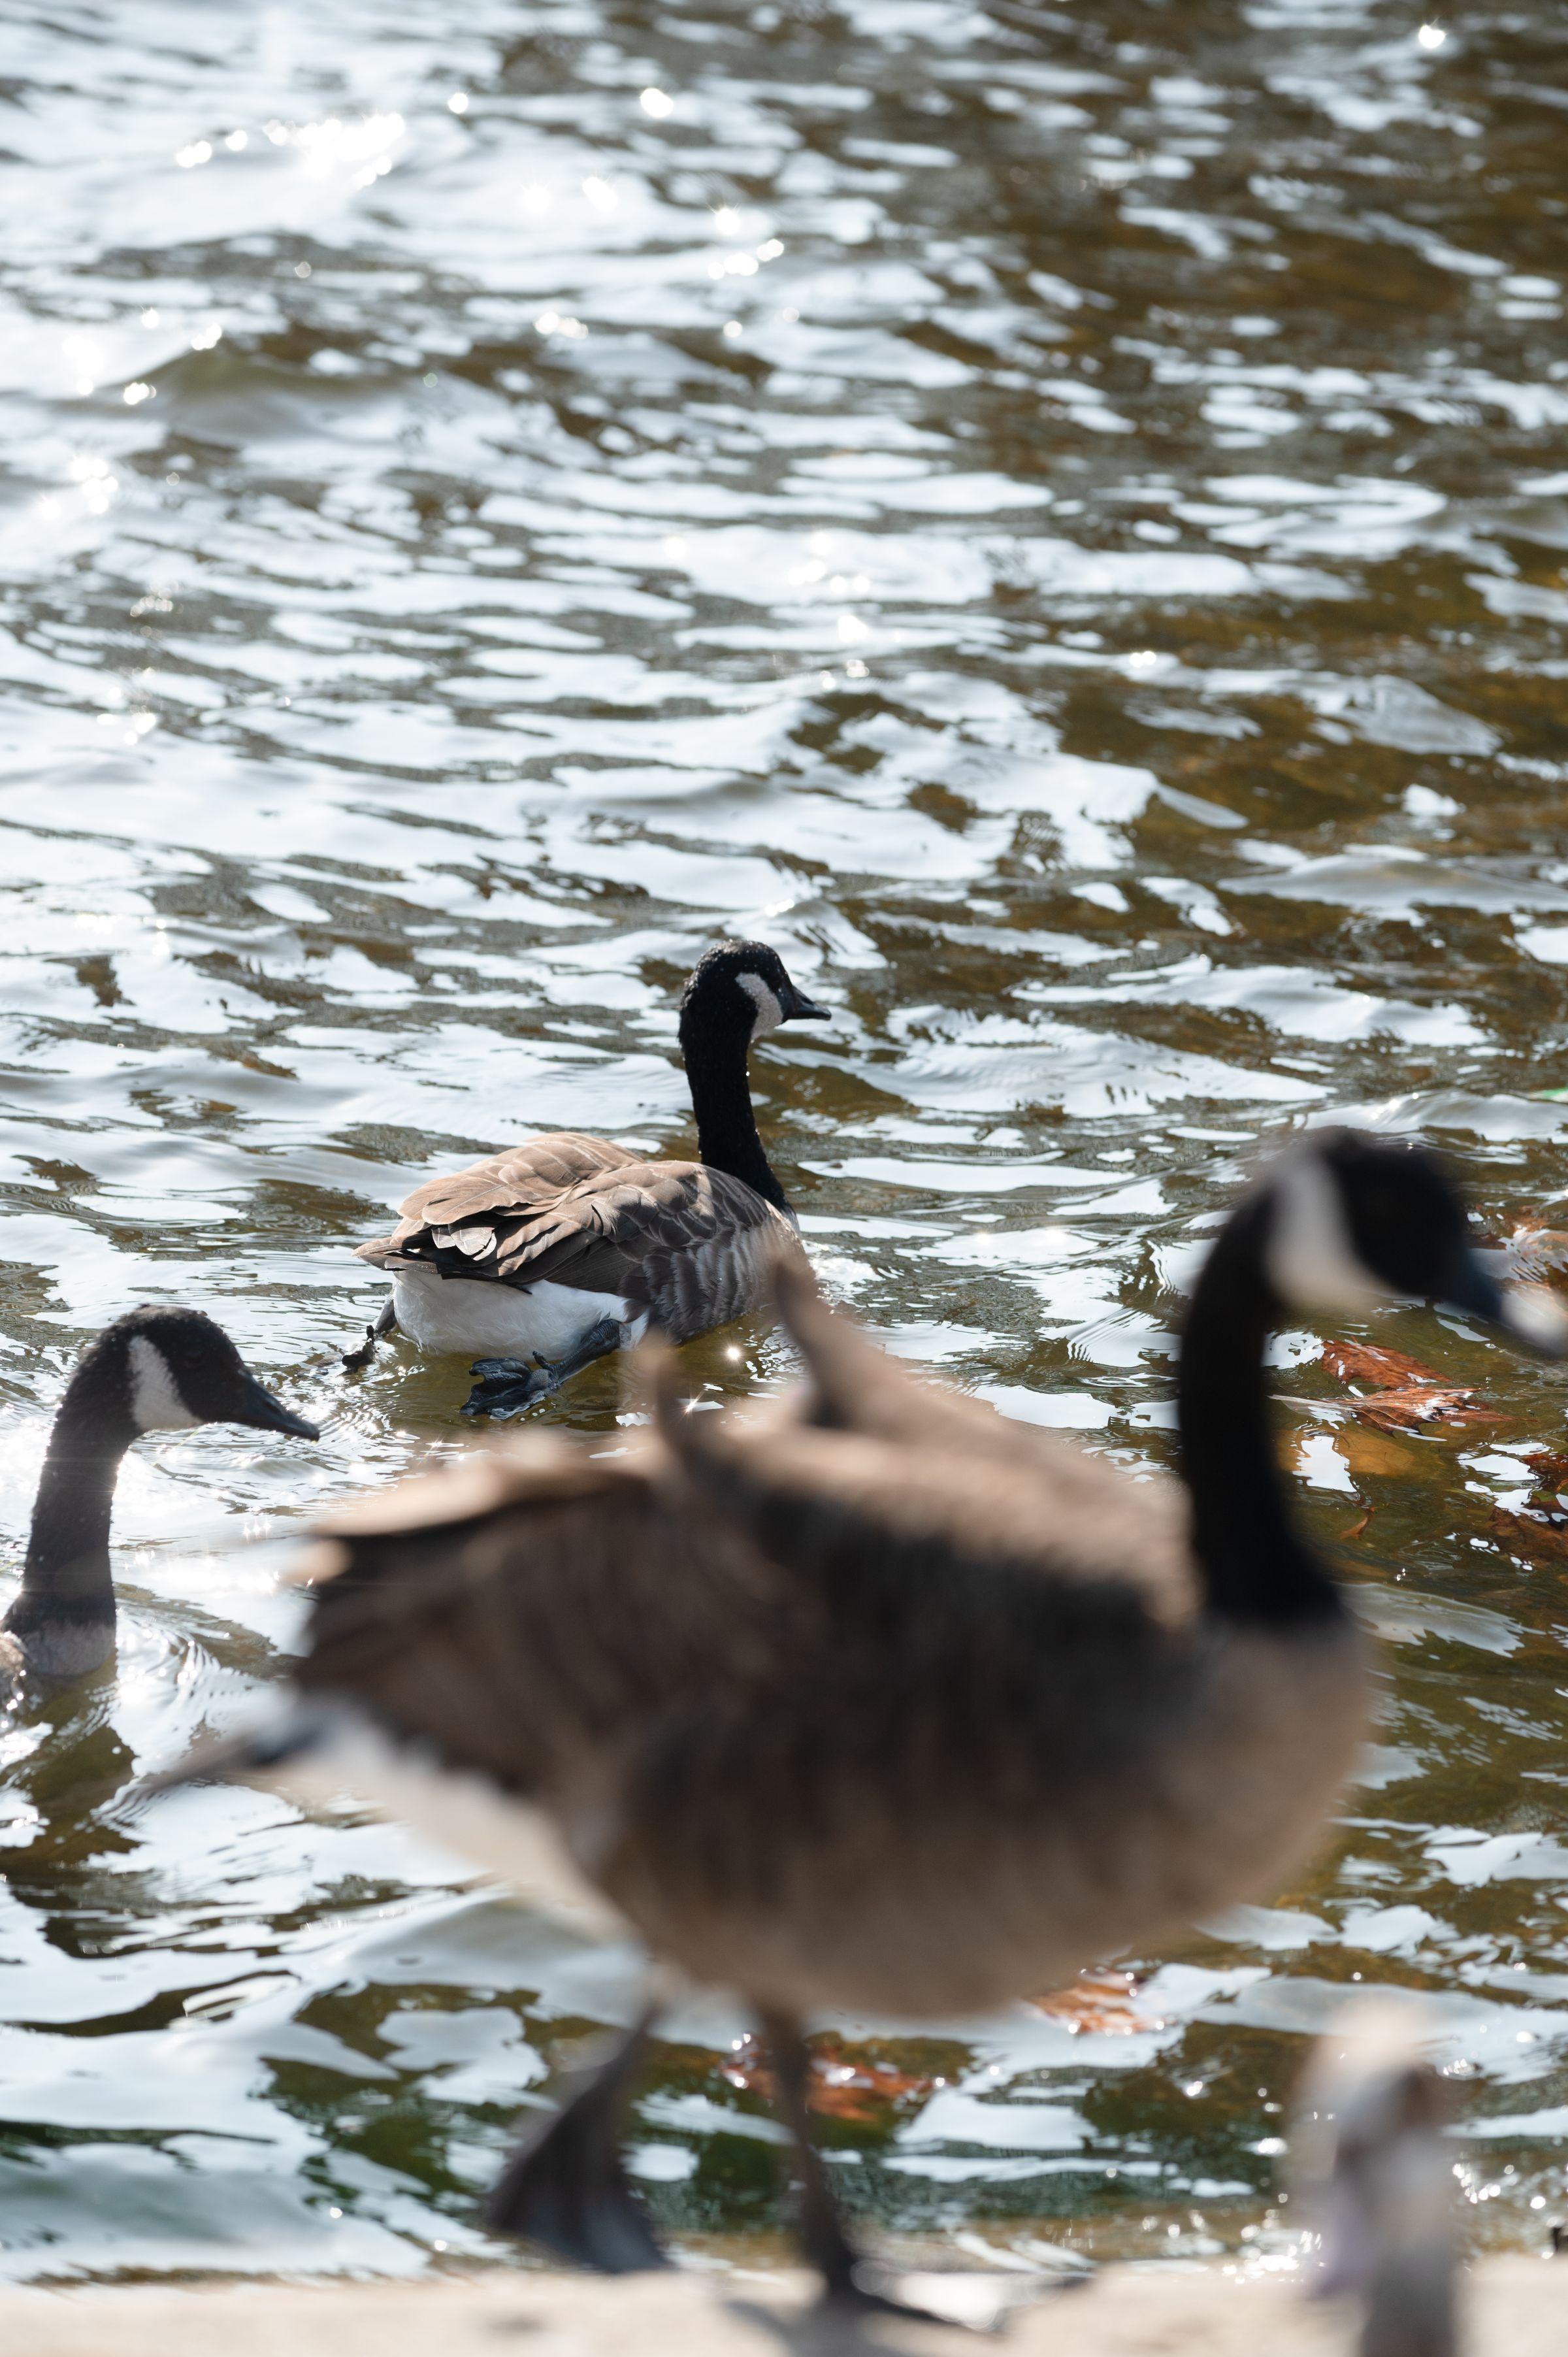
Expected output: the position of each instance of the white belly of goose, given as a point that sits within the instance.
(487, 1320)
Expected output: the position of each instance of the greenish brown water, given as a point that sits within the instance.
(1055, 517)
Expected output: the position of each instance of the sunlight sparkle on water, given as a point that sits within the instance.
(330, 144)
(658, 104)
(1430, 37)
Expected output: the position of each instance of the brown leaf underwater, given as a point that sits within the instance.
(1103, 2002)
(1401, 1394)
(846, 2082)
(1539, 1529)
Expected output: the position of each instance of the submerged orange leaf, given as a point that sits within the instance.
(1537, 1540)
(1539, 1529)
(1408, 1410)
(1378, 1370)
(1373, 1452)
(1550, 1469)
(1404, 1393)
(846, 2082)
(1103, 2002)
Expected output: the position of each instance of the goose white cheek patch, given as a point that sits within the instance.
(1312, 1263)
(156, 1402)
(769, 1014)
(1537, 1319)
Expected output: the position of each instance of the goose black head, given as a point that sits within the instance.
(1355, 1221)
(175, 1368)
(739, 990)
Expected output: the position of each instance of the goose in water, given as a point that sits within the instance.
(1375, 2171)
(151, 1370)
(877, 1701)
(560, 1250)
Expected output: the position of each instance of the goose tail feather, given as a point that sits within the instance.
(852, 1386)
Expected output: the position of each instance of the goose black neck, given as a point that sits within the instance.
(67, 1571)
(1256, 1565)
(721, 1100)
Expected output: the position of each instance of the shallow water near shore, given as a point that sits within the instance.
(1055, 518)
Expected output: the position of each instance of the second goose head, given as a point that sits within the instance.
(1339, 1224)
(738, 991)
(1354, 1222)
(152, 1371)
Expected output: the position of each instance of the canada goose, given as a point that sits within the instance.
(877, 1701)
(1376, 2175)
(153, 1369)
(558, 1250)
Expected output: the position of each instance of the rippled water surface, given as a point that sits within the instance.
(1055, 516)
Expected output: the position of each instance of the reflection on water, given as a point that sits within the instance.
(1057, 519)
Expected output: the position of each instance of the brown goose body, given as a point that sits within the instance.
(672, 1245)
(915, 1716)
(547, 1256)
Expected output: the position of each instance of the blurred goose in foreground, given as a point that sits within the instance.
(1376, 2174)
(877, 1701)
(566, 1248)
(151, 1370)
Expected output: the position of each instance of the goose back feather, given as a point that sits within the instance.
(810, 1705)
(683, 1247)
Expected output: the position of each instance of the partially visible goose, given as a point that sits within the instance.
(877, 1701)
(151, 1370)
(564, 1248)
(1376, 2174)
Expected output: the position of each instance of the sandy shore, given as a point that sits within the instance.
(1518, 2307)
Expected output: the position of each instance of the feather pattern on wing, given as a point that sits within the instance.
(811, 1704)
(688, 1245)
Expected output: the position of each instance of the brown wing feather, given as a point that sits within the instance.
(737, 1748)
(688, 1244)
(533, 1172)
(542, 1612)
(840, 1718)
(966, 1494)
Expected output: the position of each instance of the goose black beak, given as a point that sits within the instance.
(794, 1007)
(1526, 1315)
(257, 1406)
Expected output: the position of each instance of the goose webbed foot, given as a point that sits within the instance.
(509, 1387)
(853, 2283)
(565, 2188)
(356, 1360)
